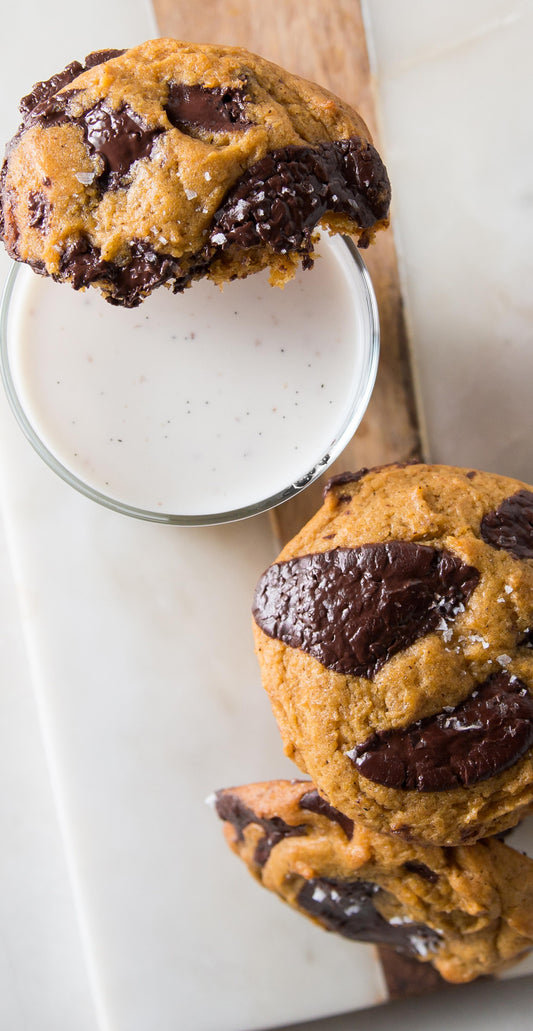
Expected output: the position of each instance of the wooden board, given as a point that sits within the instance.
(324, 40)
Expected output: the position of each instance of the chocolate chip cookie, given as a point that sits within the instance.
(466, 910)
(395, 638)
(171, 161)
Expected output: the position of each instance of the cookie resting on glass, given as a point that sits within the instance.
(466, 910)
(394, 635)
(173, 161)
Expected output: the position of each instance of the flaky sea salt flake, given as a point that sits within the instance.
(476, 639)
(446, 631)
(85, 178)
(239, 210)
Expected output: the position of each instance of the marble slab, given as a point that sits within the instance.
(454, 87)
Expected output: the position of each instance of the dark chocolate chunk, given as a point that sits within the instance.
(198, 107)
(101, 57)
(37, 266)
(315, 804)
(279, 200)
(413, 866)
(231, 809)
(43, 91)
(39, 210)
(348, 907)
(481, 737)
(82, 264)
(50, 111)
(342, 478)
(510, 527)
(119, 137)
(145, 270)
(275, 831)
(352, 609)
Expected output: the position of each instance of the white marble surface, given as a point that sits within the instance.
(94, 888)
(454, 87)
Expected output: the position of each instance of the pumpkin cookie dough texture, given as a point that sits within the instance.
(173, 161)
(395, 640)
(466, 910)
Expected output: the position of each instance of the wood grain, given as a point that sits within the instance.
(324, 40)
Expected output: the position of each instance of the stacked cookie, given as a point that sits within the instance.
(394, 635)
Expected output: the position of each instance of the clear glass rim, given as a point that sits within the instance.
(345, 433)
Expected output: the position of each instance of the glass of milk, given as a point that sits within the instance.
(196, 408)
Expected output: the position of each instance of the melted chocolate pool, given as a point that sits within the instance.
(483, 736)
(510, 527)
(230, 808)
(348, 907)
(352, 609)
